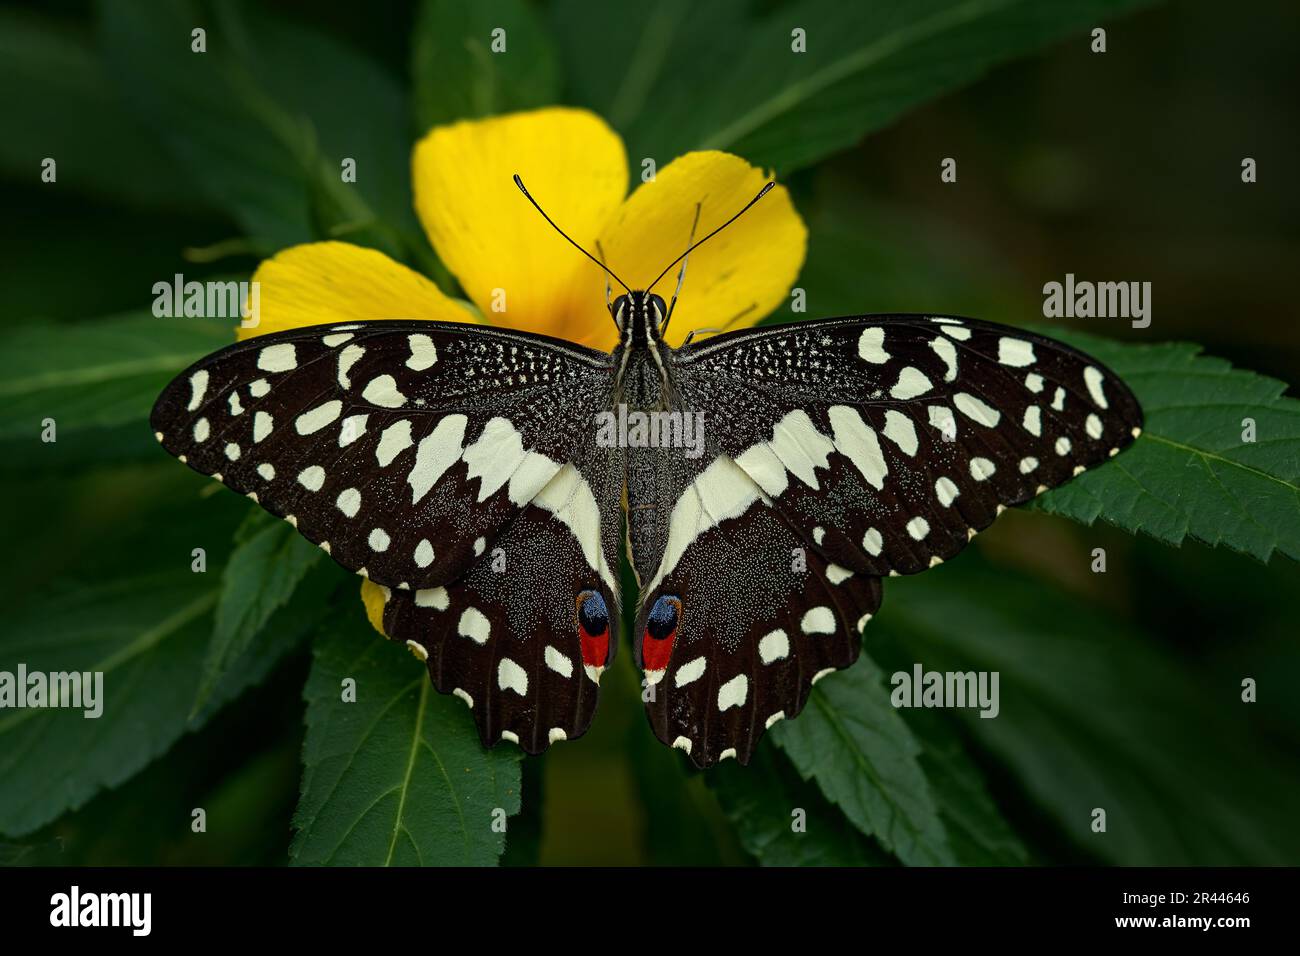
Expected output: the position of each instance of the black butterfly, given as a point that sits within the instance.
(458, 466)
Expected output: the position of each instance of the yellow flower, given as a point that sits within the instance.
(519, 272)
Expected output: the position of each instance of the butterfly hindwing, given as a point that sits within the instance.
(739, 627)
(523, 636)
(402, 448)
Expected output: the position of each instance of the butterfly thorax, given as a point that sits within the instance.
(645, 384)
(643, 360)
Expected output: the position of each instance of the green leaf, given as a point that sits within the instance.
(852, 742)
(147, 635)
(978, 832)
(1093, 715)
(61, 103)
(456, 75)
(866, 64)
(396, 777)
(761, 801)
(261, 577)
(263, 119)
(94, 375)
(1191, 474)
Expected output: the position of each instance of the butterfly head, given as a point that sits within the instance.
(642, 312)
(639, 317)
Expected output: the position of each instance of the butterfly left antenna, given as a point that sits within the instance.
(529, 196)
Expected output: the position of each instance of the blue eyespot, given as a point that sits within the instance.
(663, 617)
(593, 615)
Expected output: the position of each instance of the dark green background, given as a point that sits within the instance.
(1114, 167)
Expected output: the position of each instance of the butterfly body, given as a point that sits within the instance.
(459, 468)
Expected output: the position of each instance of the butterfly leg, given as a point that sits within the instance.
(609, 290)
(681, 275)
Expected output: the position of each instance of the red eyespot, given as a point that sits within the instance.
(593, 628)
(660, 633)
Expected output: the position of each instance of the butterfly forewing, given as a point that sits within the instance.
(889, 440)
(402, 448)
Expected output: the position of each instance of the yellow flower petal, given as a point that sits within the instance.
(750, 265)
(322, 283)
(495, 242)
(373, 597)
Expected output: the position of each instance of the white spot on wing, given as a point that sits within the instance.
(1015, 352)
(277, 358)
(976, 410)
(557, 661)
(871, 346)
(198, 388)
(948, 352)
(382, 391)
(423, 352)
(354, 426)
(689, 672)
(436, 598)
(1093, 378)
(348, 358)
(393, 440)
(475, 625)
(1033, 421)
(312, 477)
(510, 676)
(313, 421)
(946, 491)
(911, 383)
(349, 501)
(262, 425)
(899, 430)
(818, 620)
(774, 646)
(733, 693)
(857, 441)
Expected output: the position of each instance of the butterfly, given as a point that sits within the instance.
(461, 468)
